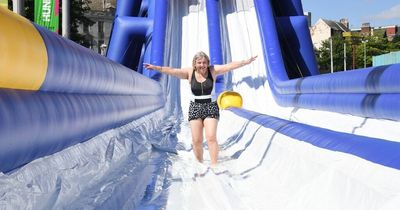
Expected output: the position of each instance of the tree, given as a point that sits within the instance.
(29, 10)
(324, 55)
(375, 45)
(78, 9)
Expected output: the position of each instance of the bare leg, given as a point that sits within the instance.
(197, 138)
(210, 124)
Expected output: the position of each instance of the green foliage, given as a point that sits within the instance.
(10, 2)
(374, 45)
(29, 9)
(324, 55)
(77, 9)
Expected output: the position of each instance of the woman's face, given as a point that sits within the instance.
(201, 64)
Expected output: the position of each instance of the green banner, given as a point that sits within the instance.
(47, 14)
(4, 3)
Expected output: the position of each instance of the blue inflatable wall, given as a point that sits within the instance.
(379, 151)
(55, 93)
(51, 86)
(295, 81)
(370, 92)
(138, 35)
(149, 44)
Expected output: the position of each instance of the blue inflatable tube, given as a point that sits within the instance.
(375, 150)
(75, 69)
(55, 93)
(294, 33)
(359, 104)
(160, 25)
(214, 37)
(158, 38)
(129, 35)
(379, 79)
(214, 31)
(36, 124)
(137, 39)
(370, 92)
(288, 8)
(128, 8)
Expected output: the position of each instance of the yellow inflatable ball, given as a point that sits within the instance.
(229, 99)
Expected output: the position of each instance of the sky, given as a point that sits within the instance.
(376, 12)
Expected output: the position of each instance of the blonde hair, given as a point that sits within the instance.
(200, 55)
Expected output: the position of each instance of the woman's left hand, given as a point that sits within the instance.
(250, 60)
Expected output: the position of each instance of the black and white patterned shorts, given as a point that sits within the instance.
(203, 110)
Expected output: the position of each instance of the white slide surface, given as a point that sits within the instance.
(260, 168)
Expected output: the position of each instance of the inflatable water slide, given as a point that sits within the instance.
(82, 131)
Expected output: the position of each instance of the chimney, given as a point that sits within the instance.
(345, 22)
(366, 29)
(391, 32)
(308, 16)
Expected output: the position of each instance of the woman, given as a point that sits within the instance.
(203, 112)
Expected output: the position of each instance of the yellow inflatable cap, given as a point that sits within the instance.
(229, 99)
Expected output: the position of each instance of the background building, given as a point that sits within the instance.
(325, 29)
(385, 59)
(102, 14)
(390, 32)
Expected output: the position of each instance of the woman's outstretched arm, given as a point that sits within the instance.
(221, 69)
(176, 72)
